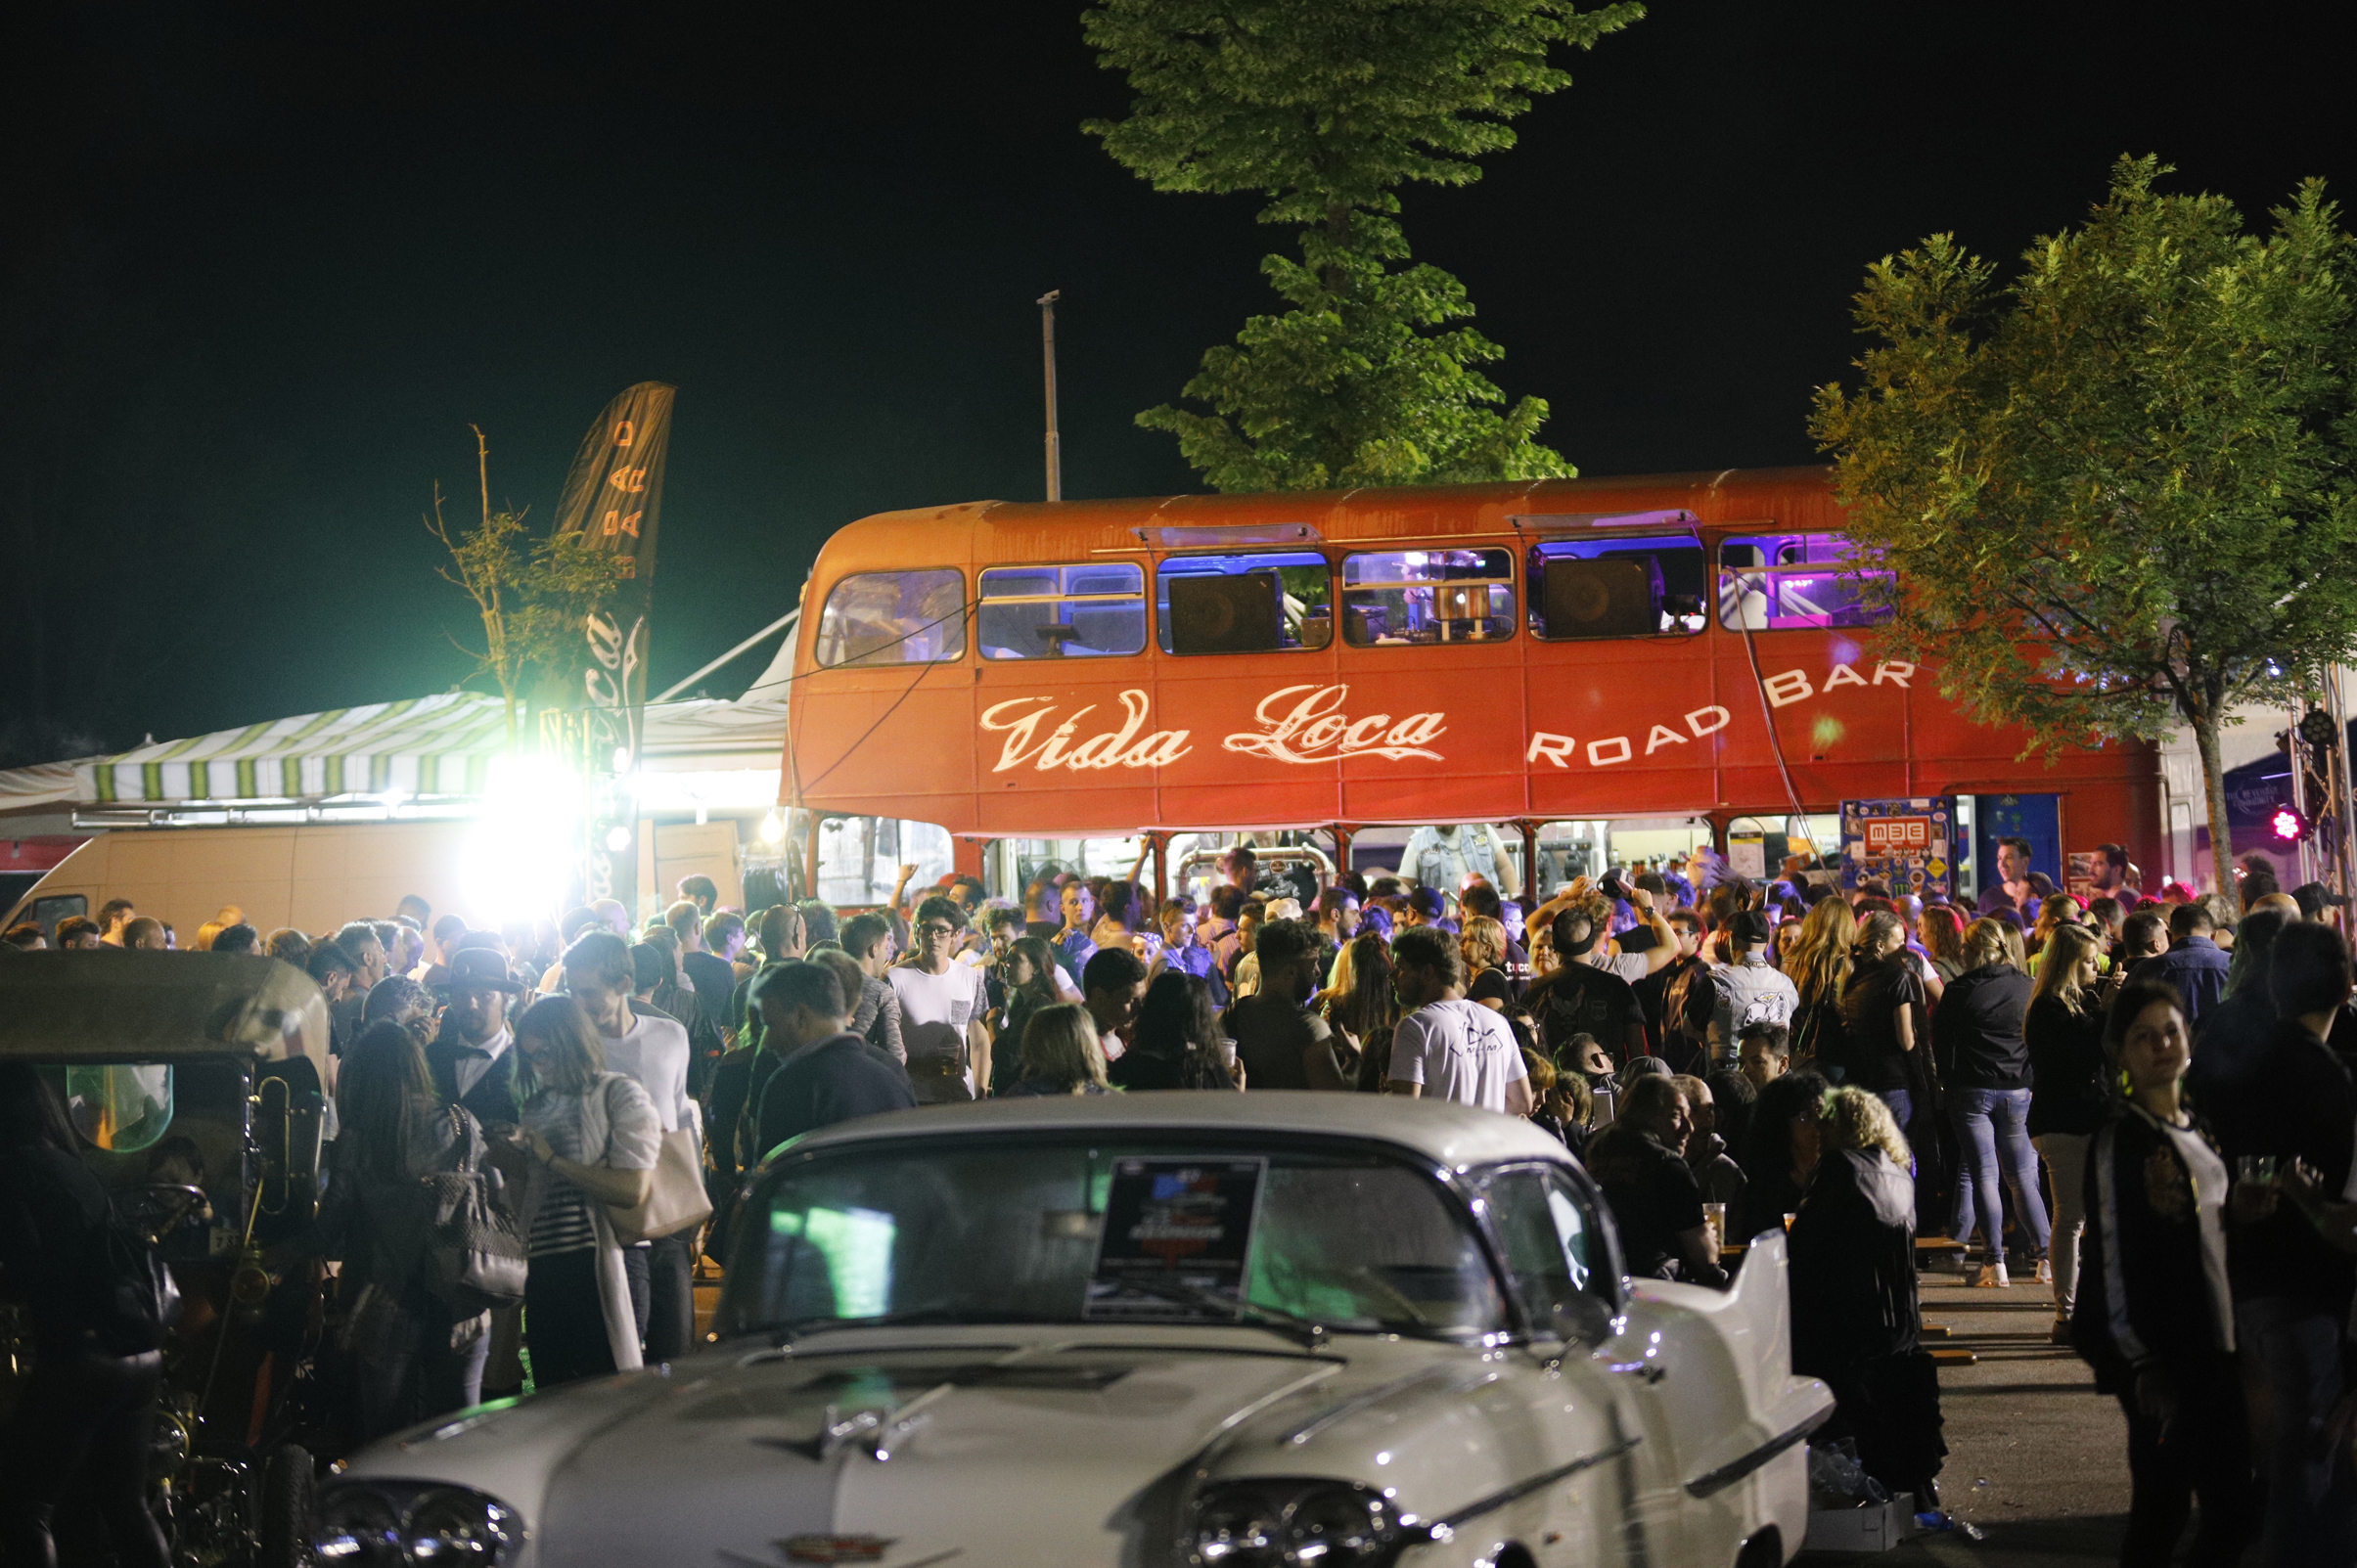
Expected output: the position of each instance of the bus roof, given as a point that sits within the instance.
(1017, 530)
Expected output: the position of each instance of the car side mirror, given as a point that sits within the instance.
(1581, 1319)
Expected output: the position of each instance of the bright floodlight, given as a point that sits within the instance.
(2286, 824)
(773, 829)
(520, 854)
(617, 838)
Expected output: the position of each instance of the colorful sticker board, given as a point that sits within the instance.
(1175, 1222)
(1904, 844)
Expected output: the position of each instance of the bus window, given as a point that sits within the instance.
(1264, 603)
(894, 617)
(1077, 611)
(1773, 581)
(1399, 597)
(1617, 586)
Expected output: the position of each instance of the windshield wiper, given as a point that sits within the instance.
(1307, 1333)
(782, 1335)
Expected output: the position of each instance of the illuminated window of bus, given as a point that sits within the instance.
(894, 617)
(1267, 601)
(1607, 585)
(1776, 581)
(1081, 612)
(1393, 598)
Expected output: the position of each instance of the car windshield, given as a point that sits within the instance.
(990, 1231)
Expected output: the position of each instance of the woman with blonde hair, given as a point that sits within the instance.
(1856, 1321)
(1482, 942)
(1361, 1006)
(2055, 913)
(1062, 1053)
(1819, 968)
(593, 1137)
(1984, 1061)
(2064, 1029)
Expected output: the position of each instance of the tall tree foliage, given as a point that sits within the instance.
(531, 595)
(2121, 492)
(1326, 107)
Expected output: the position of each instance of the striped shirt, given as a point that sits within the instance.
(561, 1222)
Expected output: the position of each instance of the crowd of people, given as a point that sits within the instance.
(2159, 1088)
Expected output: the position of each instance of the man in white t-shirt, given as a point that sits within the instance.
(1449, 1048)
(653, 1048)
(944, 1007)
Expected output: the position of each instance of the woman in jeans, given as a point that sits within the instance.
(1883, 1016)
(2065, 1031)
(592, 1136)
(419, 1357)
(1985, 1063)
(86, 1412)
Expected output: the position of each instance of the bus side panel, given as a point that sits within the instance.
(1434, 733)
(1625, 727)
(906, 728)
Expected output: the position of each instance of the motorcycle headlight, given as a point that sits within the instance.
(398, 1524)
(1288, 1523)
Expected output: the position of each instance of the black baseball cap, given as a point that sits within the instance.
(1751, 928)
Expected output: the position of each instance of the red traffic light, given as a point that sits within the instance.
(2288, 825)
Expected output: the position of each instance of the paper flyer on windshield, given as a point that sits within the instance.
(1177, 1233)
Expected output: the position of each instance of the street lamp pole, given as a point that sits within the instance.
(1047, 352)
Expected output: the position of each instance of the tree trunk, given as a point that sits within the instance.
(2213, 786)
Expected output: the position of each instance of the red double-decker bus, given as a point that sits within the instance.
(1659, 648)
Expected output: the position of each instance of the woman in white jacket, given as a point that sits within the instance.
(593, 1137)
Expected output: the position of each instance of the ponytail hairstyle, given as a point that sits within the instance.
(1873, 930)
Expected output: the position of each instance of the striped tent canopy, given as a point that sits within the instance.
(430, 745)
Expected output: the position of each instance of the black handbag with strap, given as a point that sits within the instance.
(475, 1253)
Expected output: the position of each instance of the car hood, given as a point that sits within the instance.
(937, 1448)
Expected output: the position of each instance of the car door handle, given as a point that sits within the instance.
(1652, 1371)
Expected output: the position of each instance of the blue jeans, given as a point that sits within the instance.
(1991, 1133)
(411, 1372)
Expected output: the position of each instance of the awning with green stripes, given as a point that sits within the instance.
(433, 746)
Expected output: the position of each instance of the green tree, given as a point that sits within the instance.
(1326, 107)
(2120, 491)
(531, 595)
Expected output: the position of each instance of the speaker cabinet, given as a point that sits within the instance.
(1615, 597)
(1222, 613)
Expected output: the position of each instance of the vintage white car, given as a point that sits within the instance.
(1166, 1328)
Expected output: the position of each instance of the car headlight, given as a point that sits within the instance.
(1297, 1523)
(402, 1524)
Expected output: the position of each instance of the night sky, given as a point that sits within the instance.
(264, 263)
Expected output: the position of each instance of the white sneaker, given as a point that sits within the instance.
(1992, 1276)
(2046, 1272)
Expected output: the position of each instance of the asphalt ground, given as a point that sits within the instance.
(2037, 1459)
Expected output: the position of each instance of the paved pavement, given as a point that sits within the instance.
(2037, 1459)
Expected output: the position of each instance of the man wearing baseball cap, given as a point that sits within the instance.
(471, 1061)
(1746, 989)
